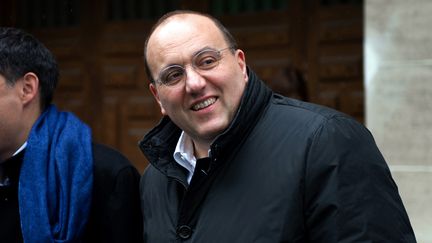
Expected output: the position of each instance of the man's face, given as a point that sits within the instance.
(204, 102)
(10, 122)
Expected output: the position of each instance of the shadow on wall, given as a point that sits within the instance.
(290, 82)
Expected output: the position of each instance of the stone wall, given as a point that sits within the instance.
(398, 84)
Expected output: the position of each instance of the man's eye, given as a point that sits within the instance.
(206, 61)
(172, 76)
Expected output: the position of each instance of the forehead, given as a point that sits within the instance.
(184, 32)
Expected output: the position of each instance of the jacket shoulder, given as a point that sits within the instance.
(115, 213)
(108, 159)
(110, 166)
(307, 108)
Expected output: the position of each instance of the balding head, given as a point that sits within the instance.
(179, 15)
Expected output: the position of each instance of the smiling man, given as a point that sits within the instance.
(232, 161)
(201, 96)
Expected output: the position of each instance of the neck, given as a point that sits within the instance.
(5, 155)
(29, 116)
(201, 150)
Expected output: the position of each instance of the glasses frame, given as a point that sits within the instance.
(193, 64)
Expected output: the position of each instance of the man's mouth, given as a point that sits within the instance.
(204, 104)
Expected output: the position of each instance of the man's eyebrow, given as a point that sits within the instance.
(203, 49)
(193, 54)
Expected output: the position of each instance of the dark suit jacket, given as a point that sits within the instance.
(115, 215)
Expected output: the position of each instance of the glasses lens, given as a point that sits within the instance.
(172, 75)
(206, 59)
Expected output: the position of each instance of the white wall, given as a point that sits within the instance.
(398, 83)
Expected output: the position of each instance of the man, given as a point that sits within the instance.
(231, 161)
(55, 184)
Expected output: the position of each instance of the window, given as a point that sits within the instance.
(47, 13)
(221, 7)
(139, 9)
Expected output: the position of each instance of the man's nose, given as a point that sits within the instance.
(194, 80)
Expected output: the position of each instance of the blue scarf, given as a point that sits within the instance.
(56, 179)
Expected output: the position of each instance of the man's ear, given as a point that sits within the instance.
(241, 60)
(29, 87)
(155, 93)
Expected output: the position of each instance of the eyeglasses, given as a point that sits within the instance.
(204, 60)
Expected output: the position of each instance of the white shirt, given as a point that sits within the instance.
(184, 154)
(20, 149)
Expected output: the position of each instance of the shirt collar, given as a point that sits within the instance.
(184, 154)
(20, 149)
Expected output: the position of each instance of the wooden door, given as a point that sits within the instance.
(99, 47)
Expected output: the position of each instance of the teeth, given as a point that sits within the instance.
(204, 104)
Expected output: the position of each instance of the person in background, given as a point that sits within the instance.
(290, 82)
(56, 184)
(232, 161)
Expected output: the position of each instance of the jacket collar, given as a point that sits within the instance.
(252, 105)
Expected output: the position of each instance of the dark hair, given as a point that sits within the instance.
(291, 82)
(226, 34)
(21, 53)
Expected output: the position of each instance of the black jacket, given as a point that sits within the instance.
(284, 171)
(115, 210)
